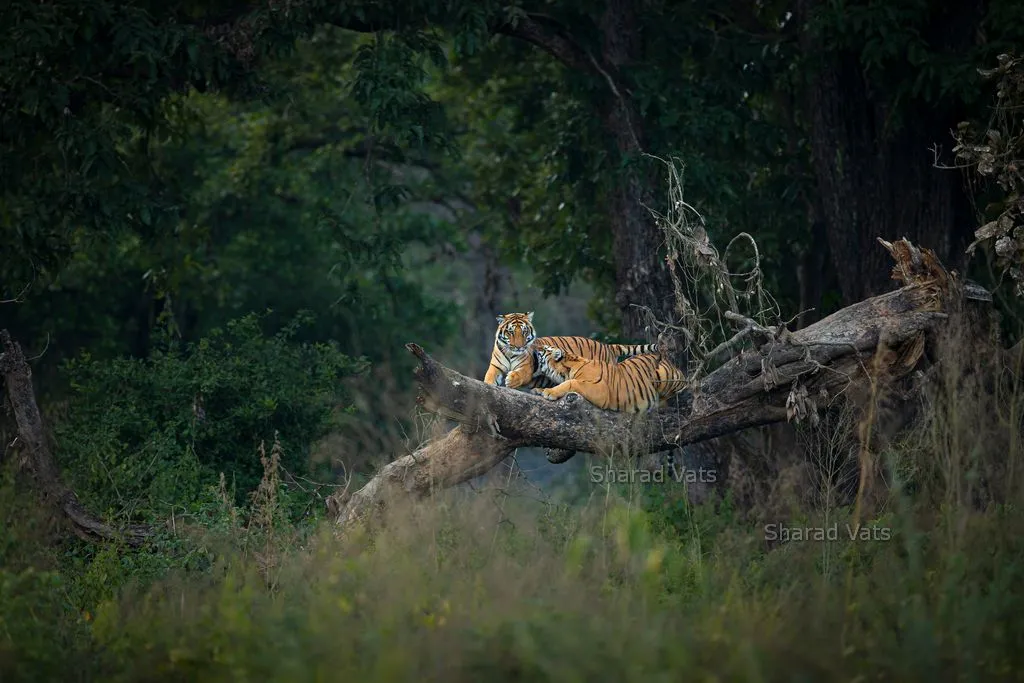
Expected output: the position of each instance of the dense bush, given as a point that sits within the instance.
(145, 435)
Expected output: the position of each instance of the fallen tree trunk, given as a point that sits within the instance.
(18, 381)
(788, 376)
(459, 456)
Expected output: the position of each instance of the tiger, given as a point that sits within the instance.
(640, 383)
(513, 361)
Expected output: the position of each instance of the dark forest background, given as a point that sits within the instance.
(221, 222)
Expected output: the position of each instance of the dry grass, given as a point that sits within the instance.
(495, 584)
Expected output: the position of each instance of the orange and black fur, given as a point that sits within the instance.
(513, 359)
(637, 384)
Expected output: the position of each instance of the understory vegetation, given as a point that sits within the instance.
(616, 582)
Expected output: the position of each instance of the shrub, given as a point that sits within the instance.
(143, 433)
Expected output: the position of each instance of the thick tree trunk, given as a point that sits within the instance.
(641, 278)
(811, 274)
(876, 174)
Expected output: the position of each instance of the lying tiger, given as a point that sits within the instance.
(638, 384)
(514, 363)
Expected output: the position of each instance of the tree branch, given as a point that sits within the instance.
(537, 29)
(18, 380)
(550, 37)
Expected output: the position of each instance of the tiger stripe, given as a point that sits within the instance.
(514, 363)
(637, 384)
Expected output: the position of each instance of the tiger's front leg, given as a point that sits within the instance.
(519, 377)
(554, 393)
(494, 375)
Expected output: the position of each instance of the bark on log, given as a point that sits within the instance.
(18, 381)
(789, 375)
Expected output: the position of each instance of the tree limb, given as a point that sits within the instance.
(435, 466)
(536, 29)
(18, 380)
(552, 38)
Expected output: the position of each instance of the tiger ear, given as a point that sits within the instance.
(501, 318)
(529, 316)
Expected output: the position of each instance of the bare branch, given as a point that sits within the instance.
(18, 381)
(20, 297)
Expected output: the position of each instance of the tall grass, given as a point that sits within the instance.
(632, 584)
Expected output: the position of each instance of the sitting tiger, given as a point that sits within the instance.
(513, 360)
(637, 384)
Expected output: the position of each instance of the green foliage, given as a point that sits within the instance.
(290, 203)
(145, 436)
(389, 85)
(155, 172)
(84, 83)
(34, 625)
(629, 585)
(148, 180)
(35, 616)
(531, 150)
(890, 37)
(456, 593)
(543, 166)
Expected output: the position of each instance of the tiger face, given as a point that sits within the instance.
(515, 333)
(555, 364)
